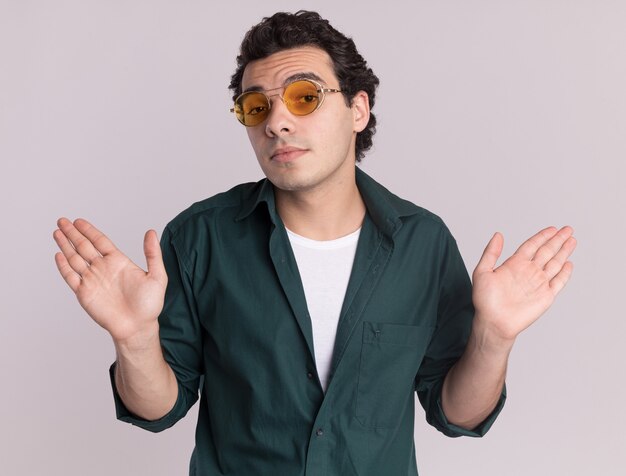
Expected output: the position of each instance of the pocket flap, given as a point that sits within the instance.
(398, 334)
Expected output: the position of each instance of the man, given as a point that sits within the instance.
(309, 307)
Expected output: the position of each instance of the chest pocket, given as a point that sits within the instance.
(390, 357)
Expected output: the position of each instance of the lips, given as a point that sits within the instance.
(287, 154)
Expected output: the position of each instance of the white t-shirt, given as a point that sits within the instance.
(325, 268)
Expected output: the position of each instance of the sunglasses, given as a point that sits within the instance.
(301, 97)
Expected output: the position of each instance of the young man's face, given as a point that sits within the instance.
(299, 153)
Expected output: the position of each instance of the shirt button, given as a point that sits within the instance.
(309, 375)
(319, 432)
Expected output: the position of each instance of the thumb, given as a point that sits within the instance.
(154, 259)
(491, 254)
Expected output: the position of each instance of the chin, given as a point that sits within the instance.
(293, 184)
(288, 180)
(290, 185)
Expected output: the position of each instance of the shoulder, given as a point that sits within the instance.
(386, 205)
(222, 206)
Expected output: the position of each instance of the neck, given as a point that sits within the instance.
(323, 213)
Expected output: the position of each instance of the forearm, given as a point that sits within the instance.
(144, 380)
(474, 384)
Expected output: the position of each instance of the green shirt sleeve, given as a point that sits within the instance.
(455, 313)
(180, 339)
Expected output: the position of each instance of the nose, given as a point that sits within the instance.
(280, 121)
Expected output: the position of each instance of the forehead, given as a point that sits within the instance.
(272, 71)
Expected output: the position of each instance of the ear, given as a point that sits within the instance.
(360, 110)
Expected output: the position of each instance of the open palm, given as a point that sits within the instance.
(115, 292)
(512, 296)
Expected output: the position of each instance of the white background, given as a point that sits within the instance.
(496, 115)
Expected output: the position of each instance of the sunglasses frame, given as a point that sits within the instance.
(319, 88)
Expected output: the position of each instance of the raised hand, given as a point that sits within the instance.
(512, 296)
(120, 296)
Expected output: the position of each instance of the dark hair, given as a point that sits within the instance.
(283, 31)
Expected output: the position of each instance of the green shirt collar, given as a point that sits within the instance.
(384, 208)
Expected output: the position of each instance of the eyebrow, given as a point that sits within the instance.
(290, 79)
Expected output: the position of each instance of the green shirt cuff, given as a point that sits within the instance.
(123, 414)
(454, 431)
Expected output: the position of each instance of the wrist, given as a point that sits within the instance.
(140, 341)
(489, 338)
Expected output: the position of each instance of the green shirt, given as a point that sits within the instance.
(235, 325)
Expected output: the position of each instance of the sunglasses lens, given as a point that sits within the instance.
(251, 108)
(301, 98)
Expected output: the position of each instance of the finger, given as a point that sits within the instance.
(98, 240)
(78, 264)
(552, 247)
(154, 258)
(69, 275)
(81, 244)
(492, 252)
(560, 280)
(532, 244)
(553, 267)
